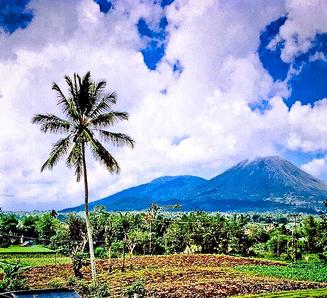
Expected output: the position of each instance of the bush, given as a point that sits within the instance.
(56, 283)
(13, 279)
(71, 281)
(101, 291)
(136, 290)
(100, 252)
(116, 249)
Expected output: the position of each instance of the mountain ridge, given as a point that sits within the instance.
(261, 184)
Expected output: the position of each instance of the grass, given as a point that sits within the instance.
(38, 261)
(290, 294)
(13, 249)
(315, 271)
(35, 262)
(34, 256)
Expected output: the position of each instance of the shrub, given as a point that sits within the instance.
(100, 291)
(136, 289)
(56, 283)
(100, 252)
(13, 279)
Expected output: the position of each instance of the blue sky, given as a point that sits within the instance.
(207, 85)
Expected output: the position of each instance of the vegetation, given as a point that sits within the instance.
(89, 112)
(25, 249)
(13, 278)
(39, 261)
(172, 276)
(290, 294)
(128, 247)
(311, 271)
(128, 234)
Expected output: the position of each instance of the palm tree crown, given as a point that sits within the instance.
(89, 111)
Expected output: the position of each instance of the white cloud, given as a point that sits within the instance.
(305, 19)
(316, 167)
(216, 43)
(308, 126)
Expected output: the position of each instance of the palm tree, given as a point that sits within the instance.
(88, 111)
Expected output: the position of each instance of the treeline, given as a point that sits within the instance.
(155, 232)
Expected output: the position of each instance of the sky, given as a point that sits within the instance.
(206, 83)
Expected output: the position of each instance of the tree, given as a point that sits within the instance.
(310, 230)
(149, 218)
(75, 241)
(88, 111)
(46, 227)
(28, 226)
(8, 229)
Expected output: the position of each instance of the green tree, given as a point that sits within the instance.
(310, 229)
(46, 227)
(28, 226)
(8, 229)
(88, 111)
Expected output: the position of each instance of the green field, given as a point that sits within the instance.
(36, 255)
(35, 262)
(290, 294)
(13, 249)
(298, 271)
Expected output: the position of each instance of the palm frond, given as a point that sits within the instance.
(52, 123)
(101, 154)
(108, 119)
(117, 139)
(95, 95)
(59, 149)
(67, 105)
(104, 105)
(75, 159)
(70, 84)
(74, 94)
(85, 87)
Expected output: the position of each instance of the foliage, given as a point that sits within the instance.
(312, 271)
(40, 260)
(290, 294)
(34, 249)
(72, 239)
(136, 289)
(8, 229)
(89, 290)
(200, 275)
(13, 279)
(116, 234)
(46, 226)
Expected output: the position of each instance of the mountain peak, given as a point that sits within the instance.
(261, 184)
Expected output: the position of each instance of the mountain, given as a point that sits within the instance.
(165, 190)
(263, 184)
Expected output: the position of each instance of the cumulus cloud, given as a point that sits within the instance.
(316, 167)
(216, 45)
(305, 20)
(308, 126)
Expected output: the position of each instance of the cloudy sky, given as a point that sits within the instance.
(207, 84)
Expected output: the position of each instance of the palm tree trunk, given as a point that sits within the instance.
(88, 222)
(110, 266)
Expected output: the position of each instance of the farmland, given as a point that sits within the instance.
(175, 276)
(25, 250)
(187, 255)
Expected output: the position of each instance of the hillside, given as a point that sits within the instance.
(263, 184)
(166, 190)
